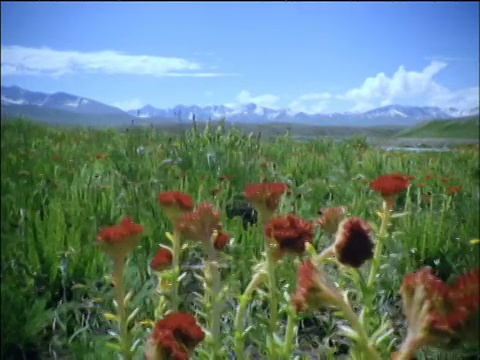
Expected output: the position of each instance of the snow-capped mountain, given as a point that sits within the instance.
(252, 113)
(14, 95)
(16, 100)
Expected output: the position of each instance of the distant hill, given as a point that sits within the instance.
(462, 128)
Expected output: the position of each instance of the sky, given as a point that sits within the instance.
(319, 57)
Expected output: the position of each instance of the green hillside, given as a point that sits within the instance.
(462, 128)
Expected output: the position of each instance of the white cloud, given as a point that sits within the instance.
(406, 85)
(265, 100)
(18, 60)
(129, 104)
(312, 103)
(461, 99)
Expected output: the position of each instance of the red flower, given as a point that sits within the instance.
(174, 337)
(200, 224)
(162, 260)
(312, 289)
(429, 176)
(444, 179)
(221, 240)
(438, 313)
(330, 218)
(175, 204)
(353, 242)
(452, 190)
(119, 240)
(391, 184)
(101, 156)
(176, 199)
(266, 196)
(215, 191)
(291, 233)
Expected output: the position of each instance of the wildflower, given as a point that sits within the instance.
(163, 260)
(390, 185)
(353, 242)
(201, 224)
(429, 176)
(452, 190)
(221, 240)
(119, 240)
(101, 156)
(313, 291)
(438, 314)
(266, 196)
(174, 337)
(330, 218)
(444, 179)
(290, 234)
(175, 204)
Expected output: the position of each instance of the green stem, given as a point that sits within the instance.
(126, 343)
(176, 250)
(272, 292)
(240, 316)
(290, 332)
(408, 348)
(351, 317)
(212, 293)
(377, 255)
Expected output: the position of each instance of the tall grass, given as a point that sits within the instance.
(59, 187)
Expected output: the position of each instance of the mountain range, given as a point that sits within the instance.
(64, 108)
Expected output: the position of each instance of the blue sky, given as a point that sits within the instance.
(313, 57)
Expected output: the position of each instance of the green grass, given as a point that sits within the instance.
(56, 196)
(464, 128)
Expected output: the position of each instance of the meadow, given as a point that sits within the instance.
(61, 187)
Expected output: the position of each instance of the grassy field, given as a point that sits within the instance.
(61, 187)
(466, 128)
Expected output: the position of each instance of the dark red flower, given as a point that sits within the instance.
(290, 233)
(353, 242)
(266, 196)
(163, 260)
(101, 156)
(174, 337)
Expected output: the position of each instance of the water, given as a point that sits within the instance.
(416, 149)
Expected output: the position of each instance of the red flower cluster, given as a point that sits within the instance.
(162, 260)
(451, 308)
(174, 337)
(265, 196)
(120, 233)
(119, 240)
(291, 233)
